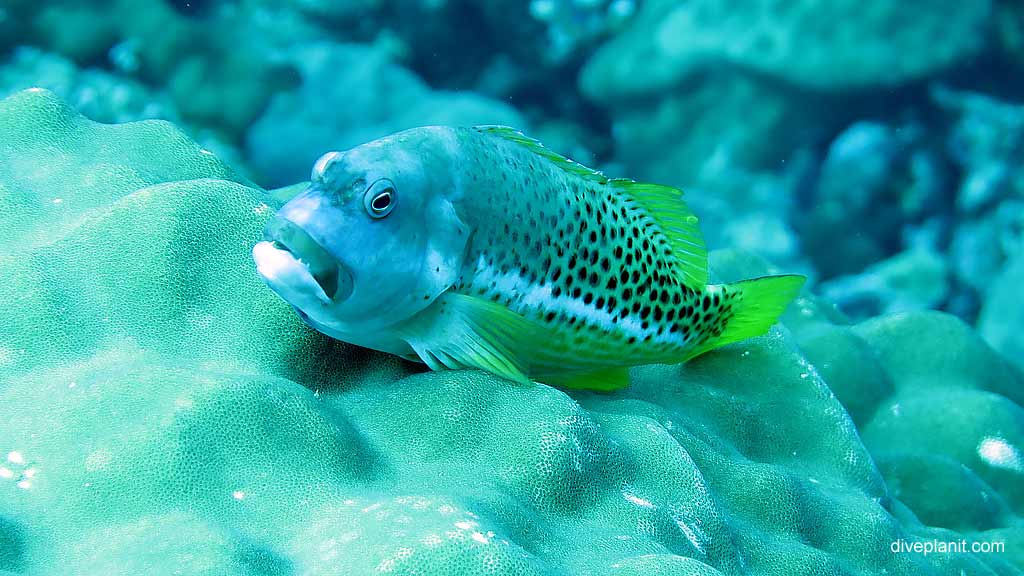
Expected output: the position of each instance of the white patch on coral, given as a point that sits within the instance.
(999, 453)
(98, 460)
(638, 501)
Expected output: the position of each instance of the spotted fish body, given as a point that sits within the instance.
(564, 275)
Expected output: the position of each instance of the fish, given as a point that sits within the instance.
(478, 247)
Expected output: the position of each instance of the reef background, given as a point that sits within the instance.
(874, 145)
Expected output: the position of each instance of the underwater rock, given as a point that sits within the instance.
(159, 405)
(835, 45)
(97, 94)
(915, 279)
(691, 136)
(974, 392)
(986, 142)
(1009, 26)
(875, 182)
(352, 94)
(1002, 313)
(219, 73)
(572, 24)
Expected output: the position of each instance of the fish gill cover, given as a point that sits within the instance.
(163, 412)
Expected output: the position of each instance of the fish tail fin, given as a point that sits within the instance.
(761, 302)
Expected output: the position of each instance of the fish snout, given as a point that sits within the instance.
(289, 258)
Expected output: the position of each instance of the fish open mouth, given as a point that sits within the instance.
(290, 256)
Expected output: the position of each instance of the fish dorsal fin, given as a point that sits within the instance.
(570, 166)
(678, 223)
(664, 204)
(460, 331)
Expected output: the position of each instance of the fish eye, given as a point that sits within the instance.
(379, 199)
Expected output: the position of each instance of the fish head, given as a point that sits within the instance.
(373, 240)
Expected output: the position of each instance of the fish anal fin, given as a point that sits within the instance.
(460, 331)
(601, 380)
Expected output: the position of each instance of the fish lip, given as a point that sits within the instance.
(282, 271)
(332, 278)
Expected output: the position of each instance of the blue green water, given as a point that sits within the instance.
(163, 412)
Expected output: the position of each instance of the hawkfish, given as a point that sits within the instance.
(481, 248)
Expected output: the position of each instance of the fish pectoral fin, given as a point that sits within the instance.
(603, 380)
(459, 331)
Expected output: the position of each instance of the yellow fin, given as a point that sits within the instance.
(459, 331)
(663, 204)
(603, 380)
(677, 222)
(761, 303)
